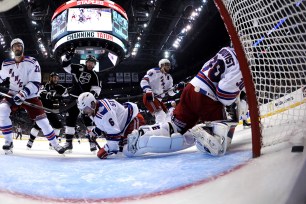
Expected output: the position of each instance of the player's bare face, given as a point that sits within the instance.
(17, 49)
(166, 67)
(90, 65)
(55, 79)
(88, 111)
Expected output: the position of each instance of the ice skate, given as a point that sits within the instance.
(8, 147)
(29, 144)
(93, 147)
(59, 149)
(246, 124)
(68, 146)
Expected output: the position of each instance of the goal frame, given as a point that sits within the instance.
(247, 77)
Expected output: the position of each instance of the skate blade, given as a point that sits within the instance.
(68, 151)
(94, 152)
(8, 152)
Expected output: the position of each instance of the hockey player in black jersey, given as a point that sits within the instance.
(50, 95)
(85, 79)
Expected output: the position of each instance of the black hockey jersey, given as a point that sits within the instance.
(84, 80)
(51, 94)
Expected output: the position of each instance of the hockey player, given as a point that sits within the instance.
(85, 79)
(25, 76)
(216, 85)
(155, 84)
(113, 120)
(51, 94)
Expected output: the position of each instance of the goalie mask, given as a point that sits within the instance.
(16, 51)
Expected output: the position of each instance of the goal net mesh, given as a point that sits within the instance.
(273, 36)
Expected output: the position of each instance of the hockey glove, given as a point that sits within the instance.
(70, 53)
(180, 86)
(232, 112)
(104, 152)
(149, 96)
(20, 97)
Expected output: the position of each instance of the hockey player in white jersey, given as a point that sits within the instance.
(113, 120)
(155, 84)
(25, 77)
(216, 85)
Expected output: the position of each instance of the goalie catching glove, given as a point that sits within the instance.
(20, 97)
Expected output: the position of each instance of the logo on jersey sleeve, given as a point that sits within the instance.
(84, 78)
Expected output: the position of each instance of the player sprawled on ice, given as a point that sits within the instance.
(85, 79)
(155, 84)
(113, 120)
(216, 85)
(51, 94)
(25, 76)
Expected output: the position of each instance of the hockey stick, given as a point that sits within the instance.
(94, 140)
(31, 104)
(174, 86)
(67, 107)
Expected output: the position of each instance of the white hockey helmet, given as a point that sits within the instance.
(163, 61)
(85, 100)
(17, 40)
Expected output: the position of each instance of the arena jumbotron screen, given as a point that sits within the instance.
(90, 23)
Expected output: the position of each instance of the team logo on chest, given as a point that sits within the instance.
(84, 78)
(16, 79)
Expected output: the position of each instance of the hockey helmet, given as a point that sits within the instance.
(52, 74)
(85, 100)
(163, 61)
(17, 40)
(91, 59)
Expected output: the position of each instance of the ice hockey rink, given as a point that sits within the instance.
(41, 175)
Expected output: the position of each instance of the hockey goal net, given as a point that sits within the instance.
(269, 37)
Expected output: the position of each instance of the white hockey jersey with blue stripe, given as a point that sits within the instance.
(24, 75)
(113, 117)
(220, 78)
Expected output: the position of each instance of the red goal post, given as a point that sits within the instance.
(269, 37)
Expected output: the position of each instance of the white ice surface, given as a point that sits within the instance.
(278, 176)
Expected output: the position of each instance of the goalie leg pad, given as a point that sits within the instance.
(161, 144)
(212, 138)
(155, 144)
